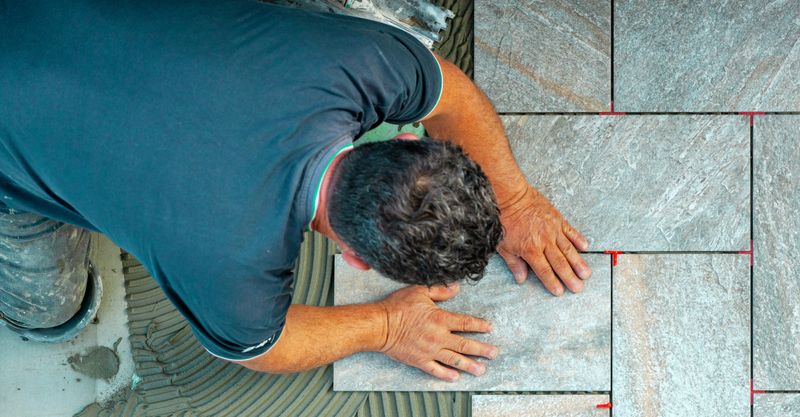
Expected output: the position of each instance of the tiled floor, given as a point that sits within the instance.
(629, 116)
(539, 353)
(539, 406)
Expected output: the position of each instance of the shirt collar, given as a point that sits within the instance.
(343, 145)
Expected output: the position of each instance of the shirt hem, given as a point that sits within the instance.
(275, 342)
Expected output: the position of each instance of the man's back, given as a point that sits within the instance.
(194, 135)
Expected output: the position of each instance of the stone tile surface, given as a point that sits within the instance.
(776, 270)
(544, 55)
(642, 183)
(546, 343)
(538, 405)
(776, 405)
(715, 55)
(681, 336)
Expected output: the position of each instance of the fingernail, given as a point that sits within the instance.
(559, 291)
(478, 370)
(490, 328)
(454, 378)
(519, 277)
(493, 353)
(585, 273)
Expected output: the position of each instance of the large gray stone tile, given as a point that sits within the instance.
(681, 336)
(546, 343)
(538, 405)
(642, 183)
(776, 405)
(544, 55)
(713, 55)
(776, 270)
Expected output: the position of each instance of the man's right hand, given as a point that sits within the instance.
(420, 334)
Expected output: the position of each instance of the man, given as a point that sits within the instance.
(204, 137)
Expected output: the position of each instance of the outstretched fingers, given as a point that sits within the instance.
(461, 362)
(442, 292)
(576, 237)
(574, 258)
(516, 265)
(561, 267)
(541, 267)
(440, 371)
(467, 324)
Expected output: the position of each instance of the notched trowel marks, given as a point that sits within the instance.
(98, 362)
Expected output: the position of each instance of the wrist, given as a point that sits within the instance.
(378, 316)
(510, 199)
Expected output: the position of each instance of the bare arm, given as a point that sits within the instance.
(316, 336)
(406, 326)
(535, 232)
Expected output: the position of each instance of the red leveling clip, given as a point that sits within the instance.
(613, 254)
(753, 392)
(748, 252)
(606, 405)
(751, 114)
(612, 112)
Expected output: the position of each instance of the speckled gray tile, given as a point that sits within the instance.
(642, 183)
(544, 55)
(714, 55)
(776, 405)
(776, 270)
(681, 336)
(538, 406)
(546, 343)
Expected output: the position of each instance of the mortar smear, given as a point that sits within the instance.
(99, 362)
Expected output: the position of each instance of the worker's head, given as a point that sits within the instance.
(417, 211)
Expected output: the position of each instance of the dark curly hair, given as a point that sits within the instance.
(417, 211)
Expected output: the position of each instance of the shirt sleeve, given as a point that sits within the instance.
(249, 321)
(397, 75)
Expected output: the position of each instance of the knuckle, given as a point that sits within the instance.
(465, 323)
(463, 345)
(452, 359)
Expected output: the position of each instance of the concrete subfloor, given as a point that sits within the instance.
(37, 379)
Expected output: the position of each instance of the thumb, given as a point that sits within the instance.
(516, 264)
(443, 292)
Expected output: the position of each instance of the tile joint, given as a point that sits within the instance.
(748, 252)
(614, 254)
(612, 112)
(754, 391)
(751, 114)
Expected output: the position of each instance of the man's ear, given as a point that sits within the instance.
(406, 136)
(353, 260)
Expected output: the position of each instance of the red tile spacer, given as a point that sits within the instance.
(612, 112)
(606, 405)
(751, 114)
(753, 392)
(748, 252)
(613, 254)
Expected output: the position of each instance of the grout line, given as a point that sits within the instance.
(752, 255)
(769, 391)
(611, 344)
(555, 393)
(676, 252)
(612, 52)
(644, 113)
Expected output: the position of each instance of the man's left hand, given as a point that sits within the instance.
(536, 234)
